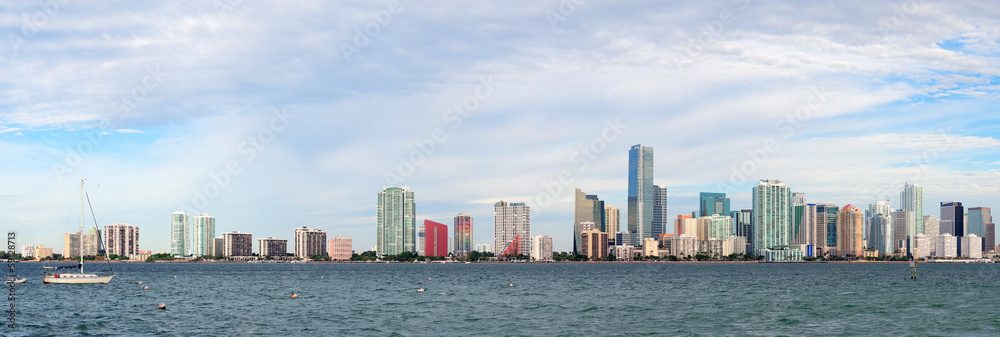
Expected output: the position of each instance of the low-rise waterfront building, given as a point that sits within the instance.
(541, 248)
(946, 245)
(309, 242)
(972, 246)
(341, 248)
(272, 247)
(594, 244)
(237, 244)
(624, 252)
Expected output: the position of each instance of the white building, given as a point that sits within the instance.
(683, 246)
(773, 215)
(309, 242)
(972, 246)
(716, 227)
(880, 234)
(541, 248)
(624, 252)
(484, 248)
(122, 239)
(201, 236)
(511, 222)
(923, 246)
(28, 251)
(178, 233)
(932, 226)
(945, 245)
(650, 247)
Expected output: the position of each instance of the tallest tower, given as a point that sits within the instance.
(911, 199)
(640, 191)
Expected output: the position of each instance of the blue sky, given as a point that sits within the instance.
(313, 117)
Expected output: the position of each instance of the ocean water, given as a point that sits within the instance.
(546, 300)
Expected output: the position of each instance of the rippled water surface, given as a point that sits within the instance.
(546, 300)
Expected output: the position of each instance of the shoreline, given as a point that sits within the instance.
(542, 262)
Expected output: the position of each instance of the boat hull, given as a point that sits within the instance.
(18, 281)
(78, 279)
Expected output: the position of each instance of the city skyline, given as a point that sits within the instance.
(269, 133)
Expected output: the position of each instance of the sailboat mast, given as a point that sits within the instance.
(81, 226)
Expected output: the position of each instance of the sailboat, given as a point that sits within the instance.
(52, 274)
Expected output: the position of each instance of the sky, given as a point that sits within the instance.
(273, 115)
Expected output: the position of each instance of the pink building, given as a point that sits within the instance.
(341, 248)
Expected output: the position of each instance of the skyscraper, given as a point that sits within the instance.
(911, 199)
(798, 199)
(395, 226)
(611, 221)
(640, 191)
(981, 223)
(309, 242)
(463, 234)
(743, 225)
(805, 225)
(587, 208)
(661, 221)
(178, 233)
(716, 227)
(714, 204)
(122, 239)
(436, 240)
(932, 226)
(874, 209)
(826, 226)
(880, 234)
(685, 225)
(772, 211)
(850, 221)
(202, 235)
(237, 244)
(953, 218)
(71, 243)
(511, 229)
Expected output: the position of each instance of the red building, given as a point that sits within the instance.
(435, 239)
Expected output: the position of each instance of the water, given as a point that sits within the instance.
(547, 300)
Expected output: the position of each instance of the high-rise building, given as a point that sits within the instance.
(713, 204)
(953, 218)
(71, 243)
(28, 251)
(850, 222)
(640, 191)
(463, 234)
(541, 248)
(484, 248)
(826, 227)
(511, 229)
(611, 220)
(684, 224)
(421, 240)
(218, 247)
(743, 225)
(980, 222)
(273, 247)
(876, 208)
(436, 240)
(237, 244)
(971, 246)
(798, 199)
(932, 226)
(396, 217)
(178, 233)
(587, 208)
(201, 236)
(594, 244)
(805, 225)
(122, 239)
(880, 234)
(911, 199)
(946, 245)
(309, 242)
(661, 221)
(341, 248)
(900, 220)
(772, 211)
(715, 227)
(42, 253)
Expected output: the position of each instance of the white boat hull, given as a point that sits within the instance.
(77, 279)
(18, 281)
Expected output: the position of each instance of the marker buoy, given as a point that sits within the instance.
(510, 284)
(161, 306)
(294, 295)
(428, 278)
(140, 282)
(145, 287)
(420, 290)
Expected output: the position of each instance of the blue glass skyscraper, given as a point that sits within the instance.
(714, 203)
(640, 191)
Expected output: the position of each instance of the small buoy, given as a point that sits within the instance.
(175, 276)
(510, 284)
(322, 276)
(294, 295)
(420, 290)
(140, 282)
(428, 278)
(145, 287)
(161, 306)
